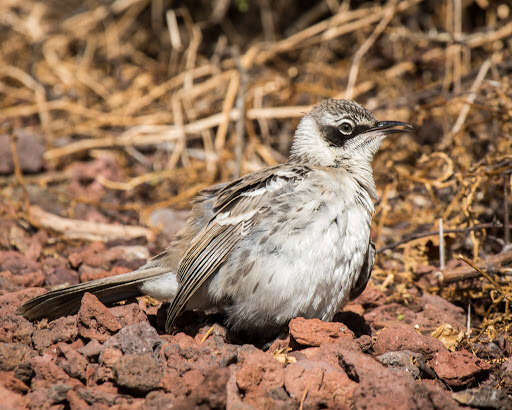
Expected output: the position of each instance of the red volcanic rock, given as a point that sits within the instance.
(378, 387)
(436, 311)
(403, 337)
(12, 400)
(28, 243)
(12, 282)
(57, 272)
(325, 386)
(211, 393)
(404, 360)
(88, 273)
(137, 338)
(91, 349)
(96, 374)
(91, 255)
(260, 380)
(17, 264)
(129, 314)
(371, 297)
(390, 314)
(96, 255)
(431, 395)
(11, 382)
(315, 332)
(181, 353)
(15, 328)
(110, 356)
(75, 401)
(140, 373)
(95, 320)
(11, 301)
(12, 355)
(18, 271)
(72, 362)
(47, 373)
(458, 368)
(63, 329)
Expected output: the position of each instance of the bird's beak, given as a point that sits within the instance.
(392, 127)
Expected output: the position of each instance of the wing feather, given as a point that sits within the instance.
(236, 209)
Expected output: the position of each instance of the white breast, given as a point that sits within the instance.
(308, 266)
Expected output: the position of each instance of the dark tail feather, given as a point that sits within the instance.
(62, 302)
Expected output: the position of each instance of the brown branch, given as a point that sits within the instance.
(435, 233)
(86, 230)
(469, 272)
(17, 170)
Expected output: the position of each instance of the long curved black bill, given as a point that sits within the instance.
(392, 127)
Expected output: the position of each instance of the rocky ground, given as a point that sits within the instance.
(376, 354)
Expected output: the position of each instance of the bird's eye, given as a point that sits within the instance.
(346, 127)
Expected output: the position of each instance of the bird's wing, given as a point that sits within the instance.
(364, 275)
(236, 209)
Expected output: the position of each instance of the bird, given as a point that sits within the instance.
(287, 241)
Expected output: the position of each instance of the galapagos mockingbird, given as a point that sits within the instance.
(287, 241)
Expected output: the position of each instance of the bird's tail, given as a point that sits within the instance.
(66, 301)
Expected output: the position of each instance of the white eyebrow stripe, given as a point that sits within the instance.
(347, 120)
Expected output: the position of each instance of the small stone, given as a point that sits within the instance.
(91, 349)
(314, 332)
(437, 311)
(129, 314)
(430, 394)
(458, 368)
(377, 386)
(389, 315)
(75, 401)
(365, 342)
(484, 397)
(110, 356)
(10, 381)
(258, 376)
(404, 360)
(403, 337)
(72, 362)
(137, 338)
(15, 329)
(57, 272)
(138, 372)
(11, 301)
(95, 321)
(29, 149)
(63, 329)
(47, 373)
(372, 296)
(19, 271)
(12, 400)
(12, 355)
(327, 386)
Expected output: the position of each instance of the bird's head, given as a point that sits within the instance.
(341, 133)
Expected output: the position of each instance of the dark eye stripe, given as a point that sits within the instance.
(359, 129)
(334, 136)
(337, 139)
